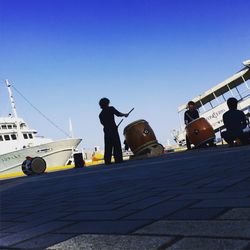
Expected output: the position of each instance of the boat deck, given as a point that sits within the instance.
(198, 199)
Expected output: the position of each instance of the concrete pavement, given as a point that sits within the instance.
(188, 200)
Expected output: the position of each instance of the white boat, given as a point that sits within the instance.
(212, 103)
(17, 141)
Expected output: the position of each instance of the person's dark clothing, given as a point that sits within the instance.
(229, 138)
(107, 119)
(111, 135)
(112, 143)
(126, 146)
(189, 116)
(188, 143)
(234, 121)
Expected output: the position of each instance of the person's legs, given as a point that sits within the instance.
(126, 145)
(108, 149)
(227, 137)
(212, 143)
(188, 143)
(245, 138)
(117, 148)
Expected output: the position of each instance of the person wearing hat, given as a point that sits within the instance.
(190, 115)
(234, 121)
(111, 136)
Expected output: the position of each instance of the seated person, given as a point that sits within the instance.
(234, 121)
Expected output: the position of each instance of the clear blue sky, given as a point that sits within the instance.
(154, 55)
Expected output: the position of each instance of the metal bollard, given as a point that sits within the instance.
(78, 159)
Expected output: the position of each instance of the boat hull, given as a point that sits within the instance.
(54, 153)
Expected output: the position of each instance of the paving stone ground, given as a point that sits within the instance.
(188, 200)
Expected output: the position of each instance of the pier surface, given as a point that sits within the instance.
(188, 200)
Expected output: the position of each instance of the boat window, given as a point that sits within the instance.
(30, 136)
(228, 95)
(244, 91)
(14, 126)
(9, 126)
(6, 137)
(25, 136)
(214, 103)
(207, 107)
(1, 138)
(13, 137)
(236, 94)
(219, 100)
(4, 127)
(23, 125)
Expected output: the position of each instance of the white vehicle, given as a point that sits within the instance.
(17, 141)
(212, 103)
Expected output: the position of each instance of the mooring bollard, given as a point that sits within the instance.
(78, 159)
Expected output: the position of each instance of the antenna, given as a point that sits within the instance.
(12, 101)
(71, 133)
(13, 106)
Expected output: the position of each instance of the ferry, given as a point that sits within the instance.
(17, 141)
(212, 104)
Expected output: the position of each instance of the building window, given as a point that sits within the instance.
(25, 136)
(4, 127)
(30, 136)
(9, 126)
(1, 138)
(6, 137)
(14, 126)
(13, 137)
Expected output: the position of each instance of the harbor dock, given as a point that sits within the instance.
(198, 199)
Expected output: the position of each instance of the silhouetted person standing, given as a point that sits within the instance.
(111, 136)
(234, 121)
(190, 115)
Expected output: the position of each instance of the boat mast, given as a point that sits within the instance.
(71, 133)
(12, 102)
(13, 106)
